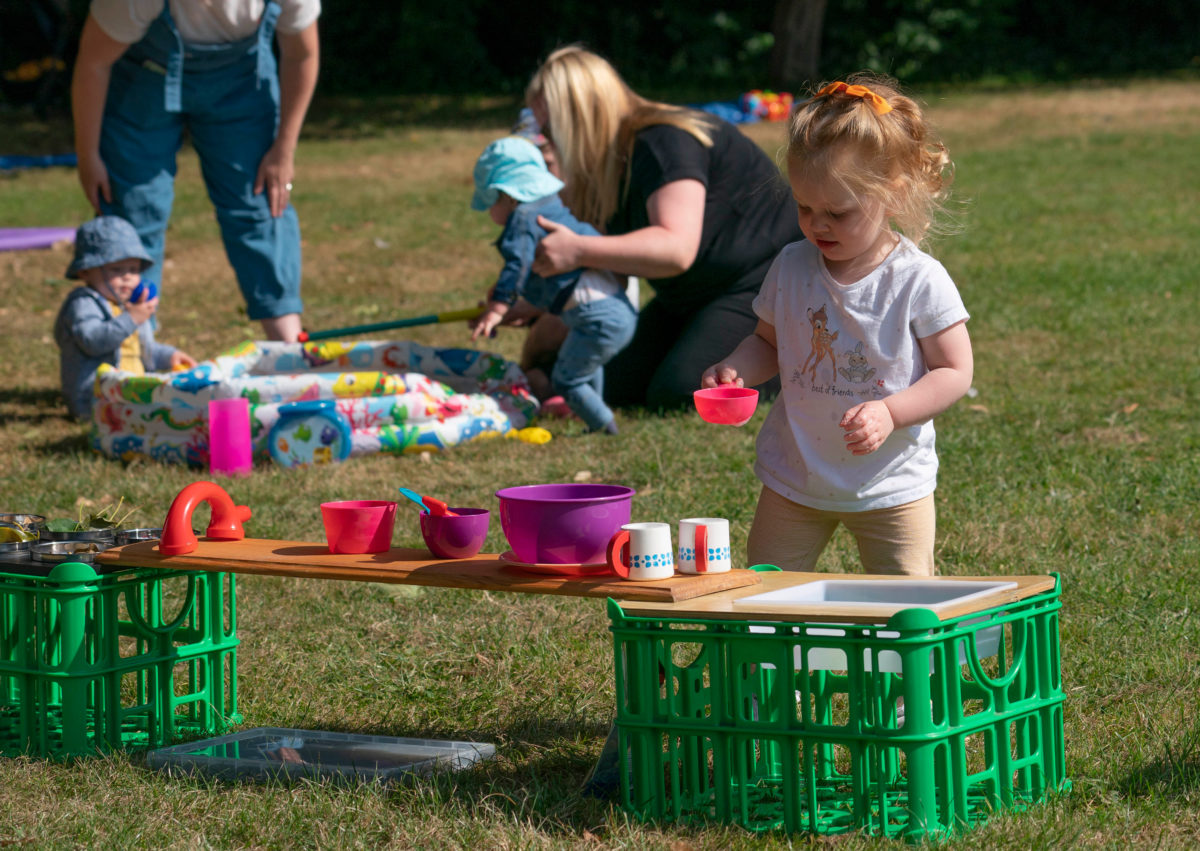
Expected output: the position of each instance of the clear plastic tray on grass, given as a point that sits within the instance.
(911, 729)
(134, 658)
(284, 753)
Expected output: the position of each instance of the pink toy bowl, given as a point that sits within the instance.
(727, 405)
(359, 525)
(459, 536)
(563, 523)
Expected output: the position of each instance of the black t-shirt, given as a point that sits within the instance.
(749, 214)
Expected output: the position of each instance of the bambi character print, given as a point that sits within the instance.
(822, 343)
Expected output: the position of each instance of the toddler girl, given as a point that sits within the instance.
(868, 335)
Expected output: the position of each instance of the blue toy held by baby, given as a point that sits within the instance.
(143, 286)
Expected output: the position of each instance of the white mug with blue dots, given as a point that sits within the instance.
(704, 545)
(642, 552)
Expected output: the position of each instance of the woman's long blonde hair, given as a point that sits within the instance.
(594, 118)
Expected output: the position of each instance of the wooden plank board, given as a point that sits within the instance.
(721, 606)
(414, 567)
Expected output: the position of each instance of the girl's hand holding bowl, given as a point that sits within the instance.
(727, 404)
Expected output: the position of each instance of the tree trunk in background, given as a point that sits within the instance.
(795, 58)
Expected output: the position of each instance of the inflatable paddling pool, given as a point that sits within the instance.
(313, 403)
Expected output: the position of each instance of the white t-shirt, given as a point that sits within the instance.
(841, 345)
(593, 285)
(200, 21)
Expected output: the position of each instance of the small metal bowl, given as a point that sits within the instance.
(105, 537)
(14, 551)
(55, 552)
(132, 536)
(27, 526)
(28, 522)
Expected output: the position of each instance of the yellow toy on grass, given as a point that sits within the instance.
(532, 434)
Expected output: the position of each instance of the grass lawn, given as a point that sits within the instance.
(1077, 453)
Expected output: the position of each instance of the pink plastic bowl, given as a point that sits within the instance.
(455, 537)
(359, 525)
(726, 405)
(563, 524)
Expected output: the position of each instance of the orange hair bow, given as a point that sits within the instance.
(879, 104)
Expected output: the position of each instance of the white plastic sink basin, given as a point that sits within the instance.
(874, 595)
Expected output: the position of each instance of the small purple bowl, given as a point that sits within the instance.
(563, 523)
(455, 537)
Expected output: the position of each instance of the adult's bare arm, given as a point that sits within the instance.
(299, 62)
(667, 247)
(89, 92)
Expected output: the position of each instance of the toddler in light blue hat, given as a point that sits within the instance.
(513, 184)
(107, 319)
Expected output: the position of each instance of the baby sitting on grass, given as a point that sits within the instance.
(101, 322)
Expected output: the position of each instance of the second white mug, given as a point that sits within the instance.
(704, 545)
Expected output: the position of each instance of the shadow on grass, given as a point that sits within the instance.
(367, 117)
(50, 397)
(43, 409)
(75, 444)
(24, 132)
(532, 774)
(31, 405)
(1175, 774)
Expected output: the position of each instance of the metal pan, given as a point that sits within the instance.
(132, 536)
(15, 551)
(27, 522)
(56, 552)
(104, 537)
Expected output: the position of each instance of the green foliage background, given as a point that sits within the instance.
(718, 46)
(701, 49)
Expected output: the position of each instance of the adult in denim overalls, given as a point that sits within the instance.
(131, 104)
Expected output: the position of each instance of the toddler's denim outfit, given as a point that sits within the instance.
(593, 305)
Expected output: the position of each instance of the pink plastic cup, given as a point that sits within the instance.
(459, 536)
(359, 525)
(230, 452)
(726, 405)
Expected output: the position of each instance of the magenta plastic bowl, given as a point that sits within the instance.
(562, 524)
(359, 525)
(458, 536)
(726, 405)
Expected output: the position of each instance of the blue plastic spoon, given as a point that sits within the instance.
(434, 506)
(414, 496)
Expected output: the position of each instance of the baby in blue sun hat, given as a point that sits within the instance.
(108, 320)
(513, 184)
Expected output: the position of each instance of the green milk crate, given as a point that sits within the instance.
(135, 658)
(911, 729)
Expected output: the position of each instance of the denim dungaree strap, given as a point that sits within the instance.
(163, 49)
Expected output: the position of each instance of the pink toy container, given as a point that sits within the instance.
(230, 452)
(563, 523)
(359, 525)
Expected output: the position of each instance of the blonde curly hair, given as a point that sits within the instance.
(874, 151)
